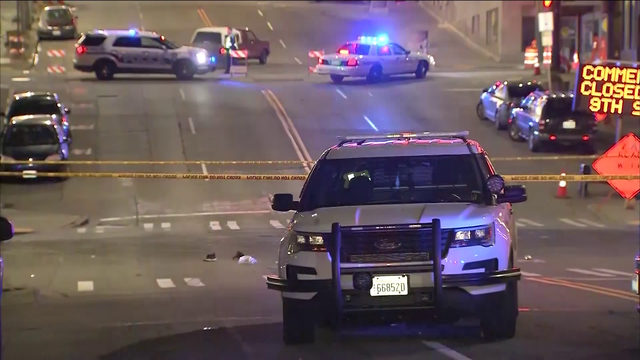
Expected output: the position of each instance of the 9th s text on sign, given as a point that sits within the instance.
(608, 89)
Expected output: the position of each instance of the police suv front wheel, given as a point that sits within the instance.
(421, 71)
(184, 70)
(298, 324)
(336, 78)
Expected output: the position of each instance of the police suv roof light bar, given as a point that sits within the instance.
(408, 135)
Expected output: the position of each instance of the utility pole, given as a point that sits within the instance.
(556, 7)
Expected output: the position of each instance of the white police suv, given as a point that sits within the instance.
(372, 58)
(416, 225)
(110, 52)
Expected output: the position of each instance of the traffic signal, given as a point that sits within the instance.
(547, 4)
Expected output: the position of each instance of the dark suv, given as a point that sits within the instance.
(545, 118)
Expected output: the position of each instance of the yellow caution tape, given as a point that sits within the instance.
(262, 162)
(516, 178)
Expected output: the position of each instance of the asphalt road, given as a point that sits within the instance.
(278, 113)
(132, 284)
(132, 295)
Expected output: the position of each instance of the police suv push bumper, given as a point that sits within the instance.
(439, 298)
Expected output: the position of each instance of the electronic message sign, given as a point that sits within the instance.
(608, 89)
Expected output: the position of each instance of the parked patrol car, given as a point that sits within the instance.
(417, 225)
(373, 58)
(110, 52)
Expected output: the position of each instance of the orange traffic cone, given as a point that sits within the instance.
(536, 69)
(562, 189)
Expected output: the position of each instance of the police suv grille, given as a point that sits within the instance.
(410, 245)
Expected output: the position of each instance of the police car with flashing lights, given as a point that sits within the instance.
(110, 52)
(373, 58)
(361, 241)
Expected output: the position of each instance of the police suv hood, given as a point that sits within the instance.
(190, 49)
(451, 215)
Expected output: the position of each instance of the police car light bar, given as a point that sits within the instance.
(374, 40)
(424, 134)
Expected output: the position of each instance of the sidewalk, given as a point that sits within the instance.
(8, 16)
(610, 208)
(27, 222)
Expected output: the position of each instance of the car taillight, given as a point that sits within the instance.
(81, 50)
(585, 137)
(223, 51)
(352, 62)
(541, 124)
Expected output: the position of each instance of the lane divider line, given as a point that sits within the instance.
(370, 123)
(586, 287)
(191, 126)
(587, 272)
(204, 170)
(260, 13)
(204, 17)
(450, 353)
(282, 43)
(269, 25)
(289, 129)
(341, 93)
(297, 60)
(182, 94)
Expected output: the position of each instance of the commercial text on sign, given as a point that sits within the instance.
(608, 89)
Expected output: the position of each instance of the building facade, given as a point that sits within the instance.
(507, 28)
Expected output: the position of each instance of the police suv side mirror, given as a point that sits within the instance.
(407, 52)
(67, 110)
(513, 194)
(6, 229)
(485, 90)
(283, 203)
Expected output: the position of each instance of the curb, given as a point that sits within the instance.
(446, 25)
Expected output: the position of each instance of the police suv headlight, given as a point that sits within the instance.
(475, 236)
(306, 242)
(202, 57)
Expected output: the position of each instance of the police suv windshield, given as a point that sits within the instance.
(395, 180)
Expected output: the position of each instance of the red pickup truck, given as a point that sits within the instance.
(246, 39)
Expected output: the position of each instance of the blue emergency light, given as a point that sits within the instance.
(132, 32)
(374, 40)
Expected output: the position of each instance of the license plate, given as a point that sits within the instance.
(56, 32)
(570, 124)
(396, 285)
(336, 62)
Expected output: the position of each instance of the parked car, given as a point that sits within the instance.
(497, 101)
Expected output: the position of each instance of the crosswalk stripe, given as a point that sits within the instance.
(276, 224)
(614, 272)
(529, 222)
(84, 286)
(165, 226)
(81, 230)
(214, 225)
(148, 226)
(233, 225)
(587, 272)
(193, 282)
(524, 273)
(571, 222)
(589, 222)
(165, 283)
(99, 229)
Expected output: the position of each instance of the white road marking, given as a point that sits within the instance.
(269, 25)
(260, 13)
(85, 286)
(282, 43)
(571, 222)
(99, 229)
(450, 353)
(370, 94)
(370, 123)
(529, 222)
(524, 273)
(147, 226)
(182, 94)
(162, 216)
(81, 127)
(233, 225)
(276, 224)
(587, 272)
(297, 60)
(165, 226)
(20, 79)
(204, 170)
(614, 272)
(165, 283)
(191, 126)
(214, 225)
(81, 230)
(589, 222)
(81, 151)
(341, 93)
(193, 282)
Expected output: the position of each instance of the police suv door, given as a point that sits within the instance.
(127, 50)
(405, 63)
(154, 55)
(388, 59)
